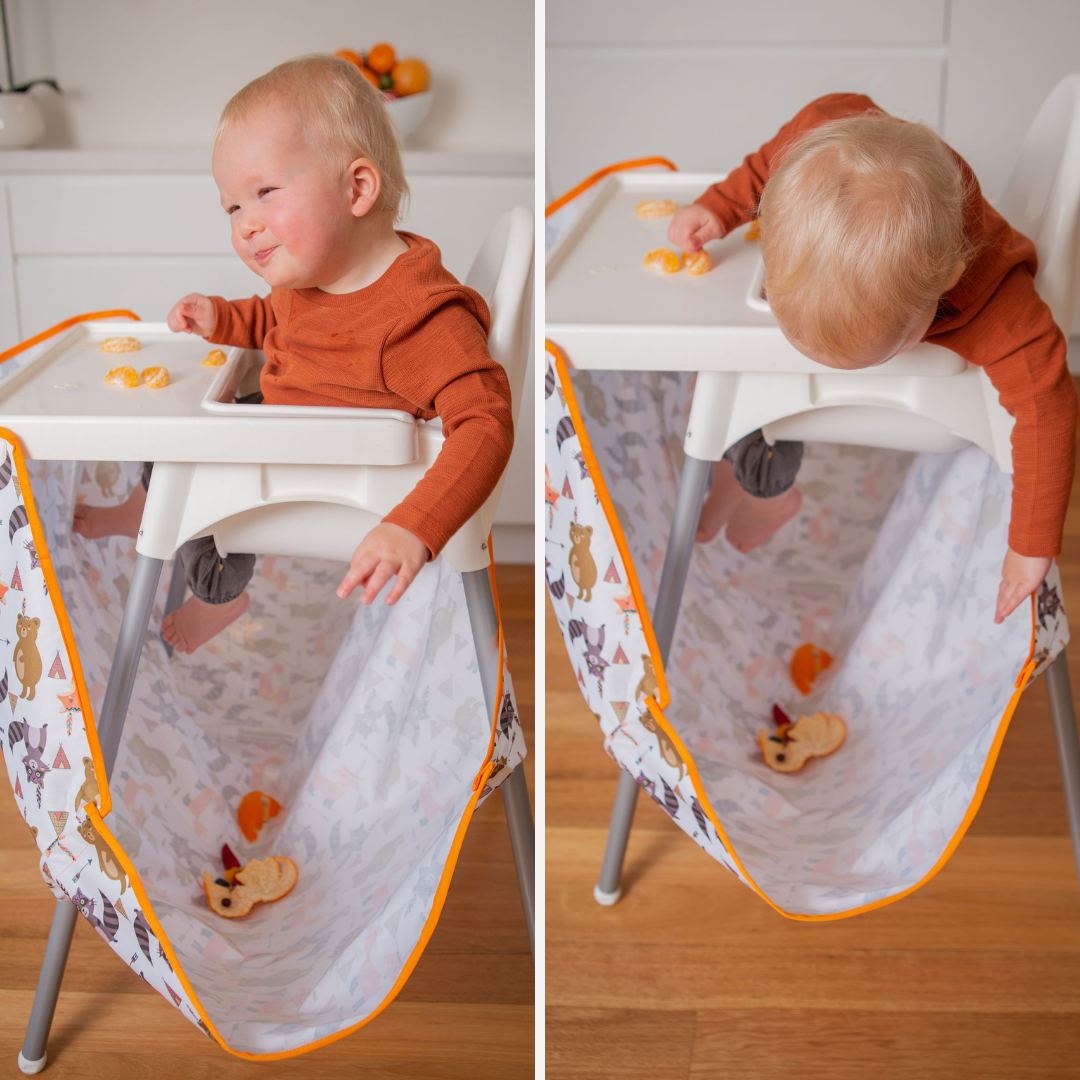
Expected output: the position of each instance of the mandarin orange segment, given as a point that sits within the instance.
(754, 232)
(663, 259)
(155, 377)
(122, 376)
(656, 208)
(120, 344)
(256, 807)
(696, 262)
(807, 663)
(214, 358)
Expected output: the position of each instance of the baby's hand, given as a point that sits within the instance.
(387, 550)
(693, 226)
(1021, 575)
(194, 313)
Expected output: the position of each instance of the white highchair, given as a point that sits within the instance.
(750, 377)
(290, 481)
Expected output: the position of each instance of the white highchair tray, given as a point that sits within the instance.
(608, 312)
(61, 409)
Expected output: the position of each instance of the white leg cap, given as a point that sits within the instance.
(606, 898)
(30, 1067)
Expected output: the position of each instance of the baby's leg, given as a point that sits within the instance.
(767, 477)
(94, 522)
(219, 598)
(724, 496)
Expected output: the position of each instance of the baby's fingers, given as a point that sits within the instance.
(1010, 596)
(405, 576)
(379, 577)
(356, 574)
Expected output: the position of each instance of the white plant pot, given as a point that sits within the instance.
(21, 122)
(408, 112)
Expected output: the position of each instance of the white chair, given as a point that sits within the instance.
(249, 505)
(903, 404)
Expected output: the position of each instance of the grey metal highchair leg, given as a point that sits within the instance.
(1059, 691)
(692, 487)
(515, 793)
(175, 596)
(110, 726)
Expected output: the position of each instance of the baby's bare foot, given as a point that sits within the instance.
(93, 522)
(755, 520)
(195, 622)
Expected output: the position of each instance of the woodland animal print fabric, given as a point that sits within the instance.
(367, 725)
(892, 566)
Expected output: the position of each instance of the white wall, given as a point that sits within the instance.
(703, 82)
(155, 73)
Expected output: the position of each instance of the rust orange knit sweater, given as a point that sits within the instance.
(414, 340)
(992, 317)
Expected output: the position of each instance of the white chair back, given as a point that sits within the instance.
(1042, 197)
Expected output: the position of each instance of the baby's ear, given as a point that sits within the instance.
(365, 182)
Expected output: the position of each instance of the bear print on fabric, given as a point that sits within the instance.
(27, 658)
(582, 564)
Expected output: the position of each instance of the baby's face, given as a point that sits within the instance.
(291, 218)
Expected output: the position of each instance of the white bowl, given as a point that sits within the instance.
(21, 121)
(408, 112)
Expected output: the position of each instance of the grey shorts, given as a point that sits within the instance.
(763, 470)
(213, 578)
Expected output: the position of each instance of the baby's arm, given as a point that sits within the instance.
(1034, 385)
(733, 201)
(224, 322)
(440, 364)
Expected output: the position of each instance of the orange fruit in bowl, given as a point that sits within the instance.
(352, 57)
(410, 76)
(381, 58)
(370, 76)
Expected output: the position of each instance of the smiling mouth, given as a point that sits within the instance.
(262, 256)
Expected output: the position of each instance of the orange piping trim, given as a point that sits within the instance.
(90, 315)
(587, 183)
(655, 708)
(57, 599)
(613, 519)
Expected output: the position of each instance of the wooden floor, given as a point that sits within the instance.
(467, 1010)
(975, 977)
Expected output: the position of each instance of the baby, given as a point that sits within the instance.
(875, 236)
(358, 315)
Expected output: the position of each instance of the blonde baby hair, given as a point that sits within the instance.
(342, 115)
(862, 226)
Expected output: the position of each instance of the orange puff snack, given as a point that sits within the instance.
(214, 358)
(155, 377)
(260, 881)
(120, 344)
(656, 208)
(122, 376)
(792, 746)
(663, 260)
(697, 262)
